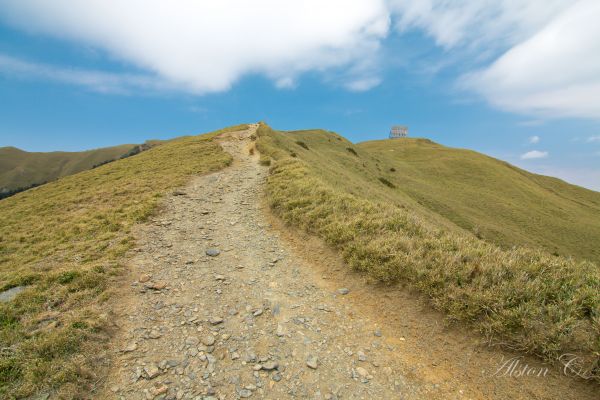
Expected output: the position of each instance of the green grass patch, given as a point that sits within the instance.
(66, 242)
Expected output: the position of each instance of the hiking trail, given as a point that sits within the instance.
(223, 302)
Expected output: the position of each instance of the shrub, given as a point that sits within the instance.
(351, 150)
(302, 144)
(386, 182)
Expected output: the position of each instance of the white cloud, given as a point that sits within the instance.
(533, 154)
(535, 57)
(362, 85)
(593, 139)
(534, 139)
(99, 81)
(467, 22)
(206, 46)
(555, 73)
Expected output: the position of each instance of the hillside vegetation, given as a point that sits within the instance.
(65, 242)
(386, 224)
(21, 169)
(492, 199)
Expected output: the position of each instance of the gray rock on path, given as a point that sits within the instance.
(208, 340)
(213, 252)
(343, 291)
(362, 372)
(312, 362)
(270, 365)
(151, 371)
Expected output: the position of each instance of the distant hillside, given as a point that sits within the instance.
(21, 169)
(491, 198)
(64, 244)
(486, 242)
(459, 190)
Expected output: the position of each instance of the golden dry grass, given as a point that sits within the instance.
(66, 242)
(523, 297)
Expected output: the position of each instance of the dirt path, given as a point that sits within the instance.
(227, 304)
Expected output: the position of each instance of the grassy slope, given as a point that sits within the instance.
(66, 241)
(502, 203)
(20, 168)
(526, 298)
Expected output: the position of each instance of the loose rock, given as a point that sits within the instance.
(212, 252)
(312, 362)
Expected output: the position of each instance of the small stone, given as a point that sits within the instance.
(361, 356)
(192, 341)
(280, 332)
(362, 372)
(258, 312)
(161, 390)
(208, 340)
(10, 294)
(270, 365)
(220, 277)
(245, 393)
(215, 320)
(154, 335)
(343, 291)
(144, 278)
(377, 332)
(212, 252)
(130, 347)
(257, 367)
(276, 377)
(114, 388)
(158, 285)
(312, 362)
(152, 371)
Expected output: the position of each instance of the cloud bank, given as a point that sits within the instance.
(556, 72)
(206, 46)
(535, 57)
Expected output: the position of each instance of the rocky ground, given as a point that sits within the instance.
(223, 307)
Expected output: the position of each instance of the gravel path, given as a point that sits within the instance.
(225, 312)
(223, 308)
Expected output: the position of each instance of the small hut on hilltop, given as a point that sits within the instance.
(398, 131)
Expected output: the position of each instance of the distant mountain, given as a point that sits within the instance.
(21, 170)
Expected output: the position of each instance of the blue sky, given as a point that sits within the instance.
(77, 83)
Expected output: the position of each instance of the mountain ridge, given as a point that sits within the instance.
(21, 170)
